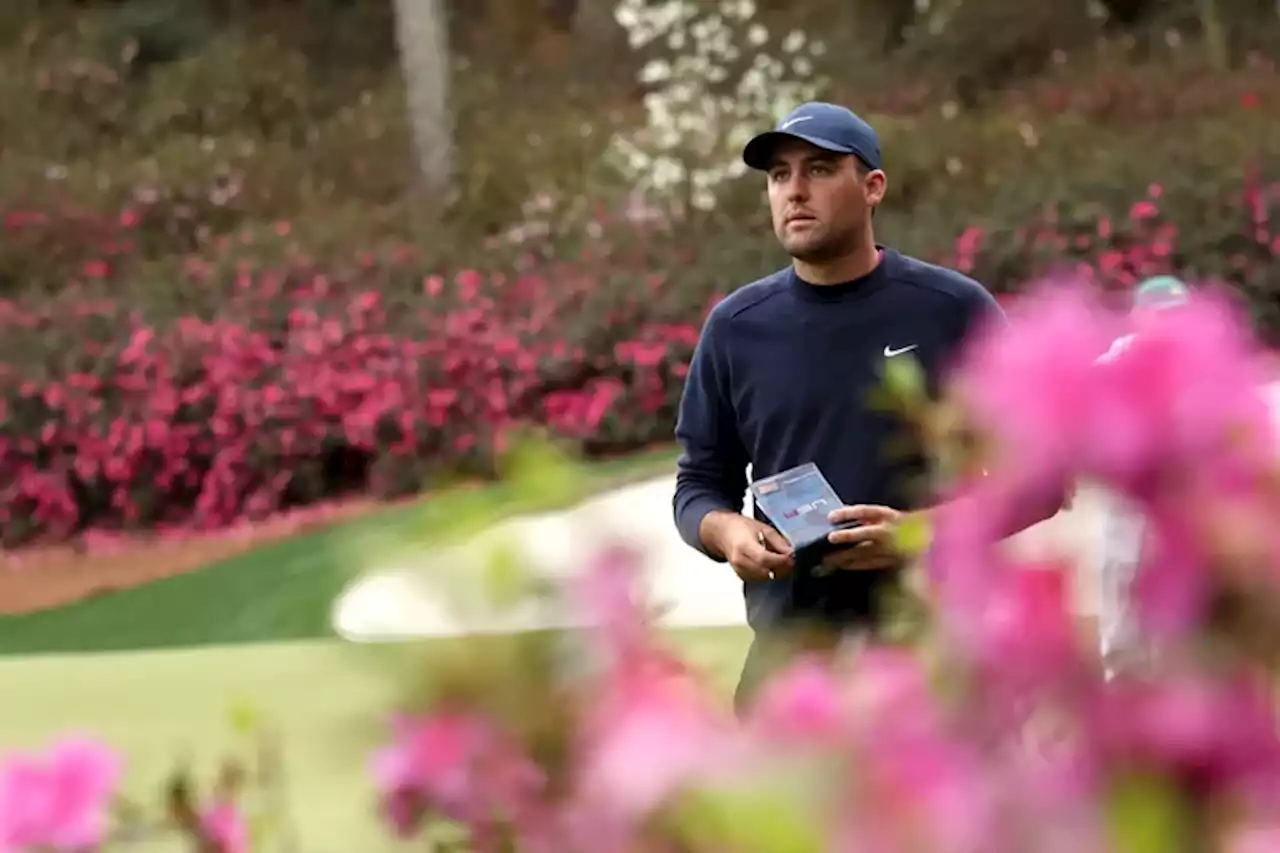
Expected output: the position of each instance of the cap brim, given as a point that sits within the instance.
(758, 153)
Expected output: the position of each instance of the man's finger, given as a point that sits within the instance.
(879, 533)
(759, 557)
(753, 573)
(779, 565)
(866, 513)
(774, 541)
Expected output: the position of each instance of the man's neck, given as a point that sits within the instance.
(851, 267)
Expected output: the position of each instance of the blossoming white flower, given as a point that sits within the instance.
(701, 108)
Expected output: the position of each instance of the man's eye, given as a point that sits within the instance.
(820, 169)
(778, 177)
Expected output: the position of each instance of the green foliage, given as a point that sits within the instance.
(768, 819)
(271, 131)
(1149, 815)
(219, 117)
(154, 32)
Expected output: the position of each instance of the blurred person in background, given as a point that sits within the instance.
(783, 375)
(1121, 526)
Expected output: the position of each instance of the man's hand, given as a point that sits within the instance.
(871, 545)
(756, 551)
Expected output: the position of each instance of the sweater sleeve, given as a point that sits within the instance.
(711, 473)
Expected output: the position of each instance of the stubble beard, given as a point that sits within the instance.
(822, 248)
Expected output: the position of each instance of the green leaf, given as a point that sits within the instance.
(905, 379)
(245, 717)
(1149, 814)
(457, 515)
(749, 821)
(507, 578)
(914, 533)
(541, 477)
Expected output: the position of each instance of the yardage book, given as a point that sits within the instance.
(797, 501)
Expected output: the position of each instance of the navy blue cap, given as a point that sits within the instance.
(826, 126)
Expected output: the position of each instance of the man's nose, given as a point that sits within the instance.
(797, 188)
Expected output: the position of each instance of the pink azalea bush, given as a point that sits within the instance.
(1117, 247)
(995, 732)
(301, 389)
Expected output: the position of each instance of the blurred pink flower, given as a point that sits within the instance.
(1171, 415)
(804, 701)
(654, 734)
(225, 826)
(59, 800)
(1172, 585)
(1213, 732)
(913, 781)
(609, 597)
(1185, 391)
(1029, 384)
(650, 724)
(1260, 837)
(930, 794)
(1025, 638)
(452, 764)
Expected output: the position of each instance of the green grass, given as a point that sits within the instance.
(329, 700)
(279, 591)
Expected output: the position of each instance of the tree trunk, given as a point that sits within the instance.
(422, 36)
(1215, 34)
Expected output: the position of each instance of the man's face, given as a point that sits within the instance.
(820, 201)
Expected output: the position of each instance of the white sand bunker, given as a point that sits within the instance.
(691, 591)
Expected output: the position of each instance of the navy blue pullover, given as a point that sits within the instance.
(782, 376)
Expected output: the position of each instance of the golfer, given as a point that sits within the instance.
(1122, 528)
(784, 373)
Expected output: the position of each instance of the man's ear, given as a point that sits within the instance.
(875, 186)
